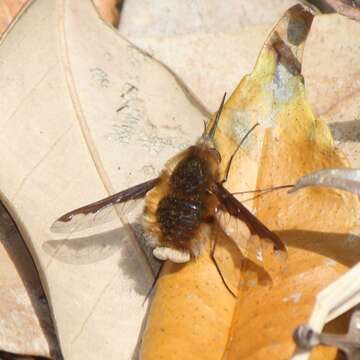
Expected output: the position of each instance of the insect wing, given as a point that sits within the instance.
(103, 211)
(253, 238)
(95, 247)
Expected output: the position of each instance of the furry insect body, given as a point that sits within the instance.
(182, 202)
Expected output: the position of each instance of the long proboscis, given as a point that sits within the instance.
(217, 118)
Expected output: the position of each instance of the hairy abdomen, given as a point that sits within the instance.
(179, 218)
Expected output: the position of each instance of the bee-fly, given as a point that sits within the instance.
(188, 194)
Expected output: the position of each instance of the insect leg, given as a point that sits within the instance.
(212, 256)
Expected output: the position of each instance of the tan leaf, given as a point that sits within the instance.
(337, 104)
(108, 9)
(232, 41)
(85, 113)
(180, 33)
(25, 320)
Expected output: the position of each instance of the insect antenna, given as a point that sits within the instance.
(264, 190)
(236, 150)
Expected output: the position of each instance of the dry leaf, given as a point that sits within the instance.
(80, 188)
(85, 113)
(231, 39)
(110, 10)
(8, 10)
(180, 33)
(168, 19)
(344, 179)
(318, 225)
(26, 327)
(348, 8)
(25, 335)
(337, 104)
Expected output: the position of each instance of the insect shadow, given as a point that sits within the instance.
(100, 246)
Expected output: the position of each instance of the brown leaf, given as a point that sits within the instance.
(110, 10)
(8, 10)
(348, 8)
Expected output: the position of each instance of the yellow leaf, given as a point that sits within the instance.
(193, 316)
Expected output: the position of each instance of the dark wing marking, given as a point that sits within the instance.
(73, 220)
(236, 209)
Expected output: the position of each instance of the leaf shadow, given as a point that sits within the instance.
(331, 245)
(346, 130)
(20, 256)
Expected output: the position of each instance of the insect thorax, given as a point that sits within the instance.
(183, 198)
